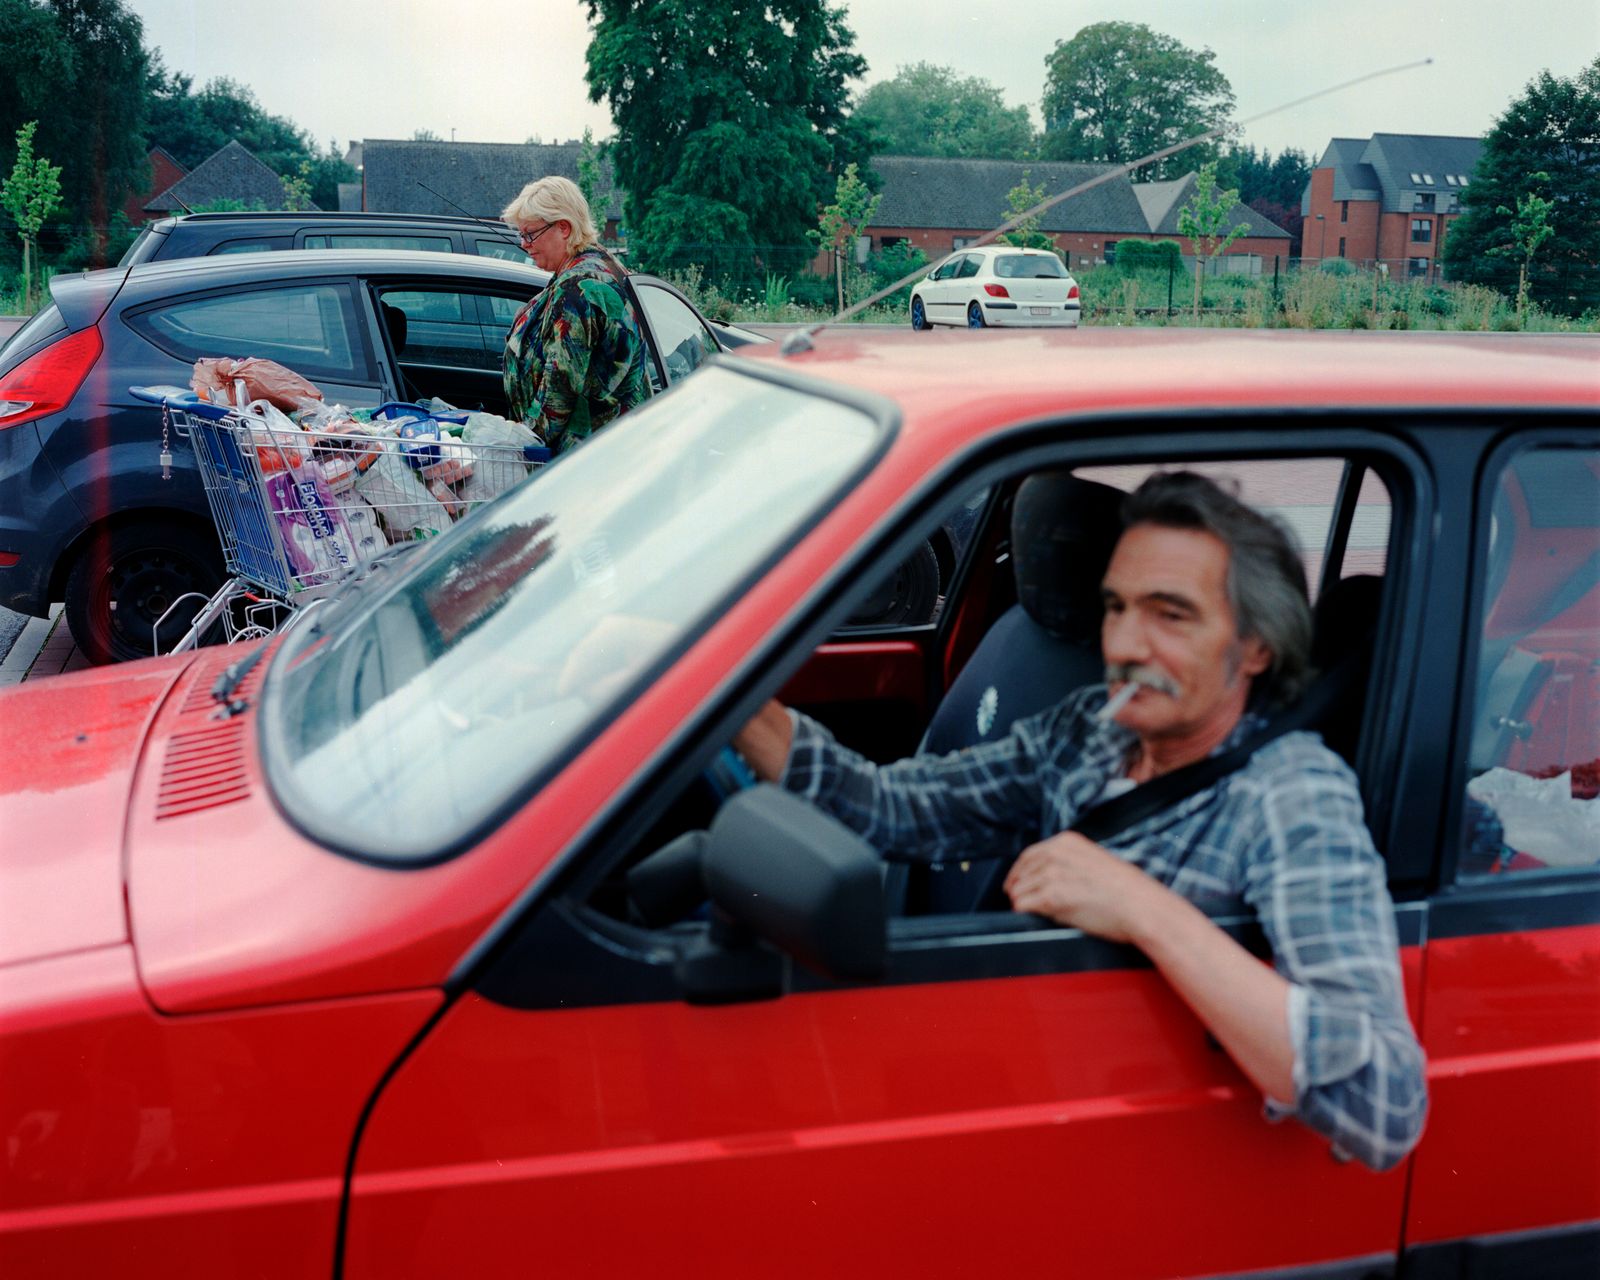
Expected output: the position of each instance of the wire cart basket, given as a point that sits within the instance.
(298, 510)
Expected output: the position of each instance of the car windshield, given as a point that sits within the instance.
(423, 704)
(1028, 266)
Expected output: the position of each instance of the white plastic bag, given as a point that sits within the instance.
(1540, 816)
(500, 465)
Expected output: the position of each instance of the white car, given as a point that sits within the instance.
(997, 285)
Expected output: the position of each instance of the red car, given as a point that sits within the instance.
(369, 951)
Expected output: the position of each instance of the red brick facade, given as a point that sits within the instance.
(1358, 231)
(164, 173)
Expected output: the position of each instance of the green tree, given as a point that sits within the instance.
(102, 111)
(78, 67)
(1118, 90)
(1021, 198)
(851, 212)
(1552, 128)
(1204, 219)
(927, 110)
(30, 195)
(589, 177)
(38, 62)
(1530, 228)
(731, 120)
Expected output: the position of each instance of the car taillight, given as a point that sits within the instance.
(996, 290)
(47, 380)
(1072, 292)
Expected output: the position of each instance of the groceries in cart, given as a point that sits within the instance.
(342, 485)
(304, 492)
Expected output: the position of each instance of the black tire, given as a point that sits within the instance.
(127, 576)
(975, 318)
(919, 315)
(907, 597)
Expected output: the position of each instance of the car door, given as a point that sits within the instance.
(679, 339)
(1507, 1181)
(937, 293)
(1008, 1098)
(446, 338)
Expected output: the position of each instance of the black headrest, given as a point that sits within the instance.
(1345, 619)
(394, 320)
(1063, 531)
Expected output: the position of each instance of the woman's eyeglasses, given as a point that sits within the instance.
(528, 238)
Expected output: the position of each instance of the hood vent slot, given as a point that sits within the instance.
(205, 768)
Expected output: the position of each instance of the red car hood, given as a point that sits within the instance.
(73, 745)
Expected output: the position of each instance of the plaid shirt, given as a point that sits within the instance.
(1281, 839)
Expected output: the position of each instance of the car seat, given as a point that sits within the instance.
(1063, 530)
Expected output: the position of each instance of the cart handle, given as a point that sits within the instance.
(182, 399)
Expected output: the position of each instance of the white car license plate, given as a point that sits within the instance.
(1038, 311)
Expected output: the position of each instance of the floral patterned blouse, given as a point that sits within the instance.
(575, 355)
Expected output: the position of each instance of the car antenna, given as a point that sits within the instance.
(494, 226)
(800, 340)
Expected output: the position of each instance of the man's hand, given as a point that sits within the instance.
(764, 741)
(1244, 1003)
(1075, 882)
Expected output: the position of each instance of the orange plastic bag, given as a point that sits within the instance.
(215, 379)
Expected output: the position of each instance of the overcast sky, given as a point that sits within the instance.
(505, 70)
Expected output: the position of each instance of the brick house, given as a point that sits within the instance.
(1389, 198)
(940, 205)
(1264, 241)
(480, 178)
(165, 173)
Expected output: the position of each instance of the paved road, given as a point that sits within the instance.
(8, 326)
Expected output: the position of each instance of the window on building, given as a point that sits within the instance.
(1463, 179)
(1425, 201)
(1111, 253)
(1534, 758)
(1421, 230)
(1341, 246)
(1344, 211)
(1450, 178)
(1427, 179)
(961, 242)
(1419, 266)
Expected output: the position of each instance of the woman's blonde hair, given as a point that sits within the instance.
(554, 199)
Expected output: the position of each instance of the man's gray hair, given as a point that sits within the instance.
(1266, 581)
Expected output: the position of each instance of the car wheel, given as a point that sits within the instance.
(975, 318)
(919, 316)
(127, 576)
(908, 596)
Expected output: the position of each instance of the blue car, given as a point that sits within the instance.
(86, 515)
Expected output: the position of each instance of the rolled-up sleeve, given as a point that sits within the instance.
(1318, 887)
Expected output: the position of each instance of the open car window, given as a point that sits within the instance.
(1307, 495)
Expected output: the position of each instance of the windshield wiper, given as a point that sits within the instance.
(229, 680)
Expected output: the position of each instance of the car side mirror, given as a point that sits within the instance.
(795, 878)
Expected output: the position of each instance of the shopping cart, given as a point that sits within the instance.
(299, 510)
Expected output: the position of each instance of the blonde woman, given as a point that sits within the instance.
(575, 355)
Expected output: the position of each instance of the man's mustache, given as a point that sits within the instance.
(1149, 677)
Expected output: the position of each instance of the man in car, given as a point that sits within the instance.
(1207, 627)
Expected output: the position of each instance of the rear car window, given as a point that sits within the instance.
(391, 240)
(503, 249)
(1029, 266)
(310, 328)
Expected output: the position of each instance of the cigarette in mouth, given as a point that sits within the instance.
(1120, 699)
